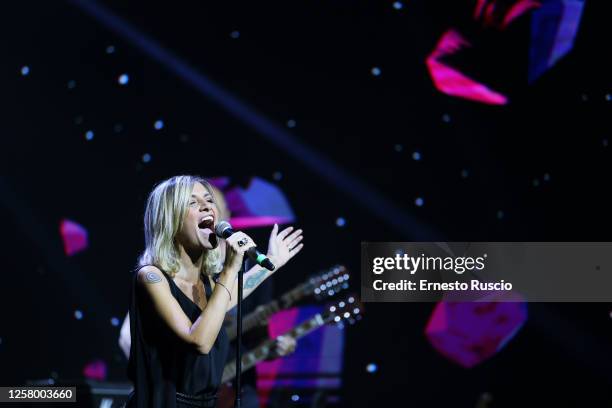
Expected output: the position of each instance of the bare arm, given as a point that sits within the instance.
(251, 280)
(125, 341)
(204, 331)
(282, 247)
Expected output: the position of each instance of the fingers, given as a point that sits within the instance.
(294, 251)
(284, 233)
(274, 232)
(291, 244)
(293, 236)
(240, 242)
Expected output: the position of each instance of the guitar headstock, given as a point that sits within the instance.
(349, 309)
(328, 283)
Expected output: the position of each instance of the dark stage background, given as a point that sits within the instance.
(537, 169)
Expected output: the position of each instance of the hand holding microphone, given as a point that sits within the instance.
(240, 243)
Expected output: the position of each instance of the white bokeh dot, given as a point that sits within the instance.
(123, 79)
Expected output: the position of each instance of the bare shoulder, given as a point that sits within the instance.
(150, 275)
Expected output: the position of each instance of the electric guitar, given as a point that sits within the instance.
(349, 310)
(323, 285)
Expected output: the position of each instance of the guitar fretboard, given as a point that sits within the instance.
(261, 315)
(261, 352)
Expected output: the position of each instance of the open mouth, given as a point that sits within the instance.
(207, 223)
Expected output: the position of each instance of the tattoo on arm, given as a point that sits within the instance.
(254, 279)
(152, 277)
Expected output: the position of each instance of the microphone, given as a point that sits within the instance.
(224, 230)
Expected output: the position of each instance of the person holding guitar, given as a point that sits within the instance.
(178, 346)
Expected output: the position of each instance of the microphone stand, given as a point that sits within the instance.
(237, 401)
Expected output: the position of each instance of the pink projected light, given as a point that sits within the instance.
(254, 222)
(260, 204)
(74, 237)
(493, 13)
(95, 370)
(451, 81)
(488, 15)
(469, 333)
(316, 363)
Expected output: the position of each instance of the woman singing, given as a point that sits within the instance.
(178, 348)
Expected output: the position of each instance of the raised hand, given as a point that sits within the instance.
(284, 245)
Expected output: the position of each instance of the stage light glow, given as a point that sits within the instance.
(398, 5)
(124, 79)
(114, 321)
(419, 202)
(376, 71)
(340, 222)
(78, 314)
(291, 123)
(89, 135)
(235, 34)
(159, 124)
(371, 368)
(110, 49)
(416, 156)
(146, 158)
(25, 70)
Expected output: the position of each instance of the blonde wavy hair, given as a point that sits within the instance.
(164, 215)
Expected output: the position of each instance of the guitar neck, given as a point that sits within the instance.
(262, 351)
(261, 315)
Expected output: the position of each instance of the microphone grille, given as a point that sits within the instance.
(222, 227)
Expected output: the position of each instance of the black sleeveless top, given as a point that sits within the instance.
(161, 365)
